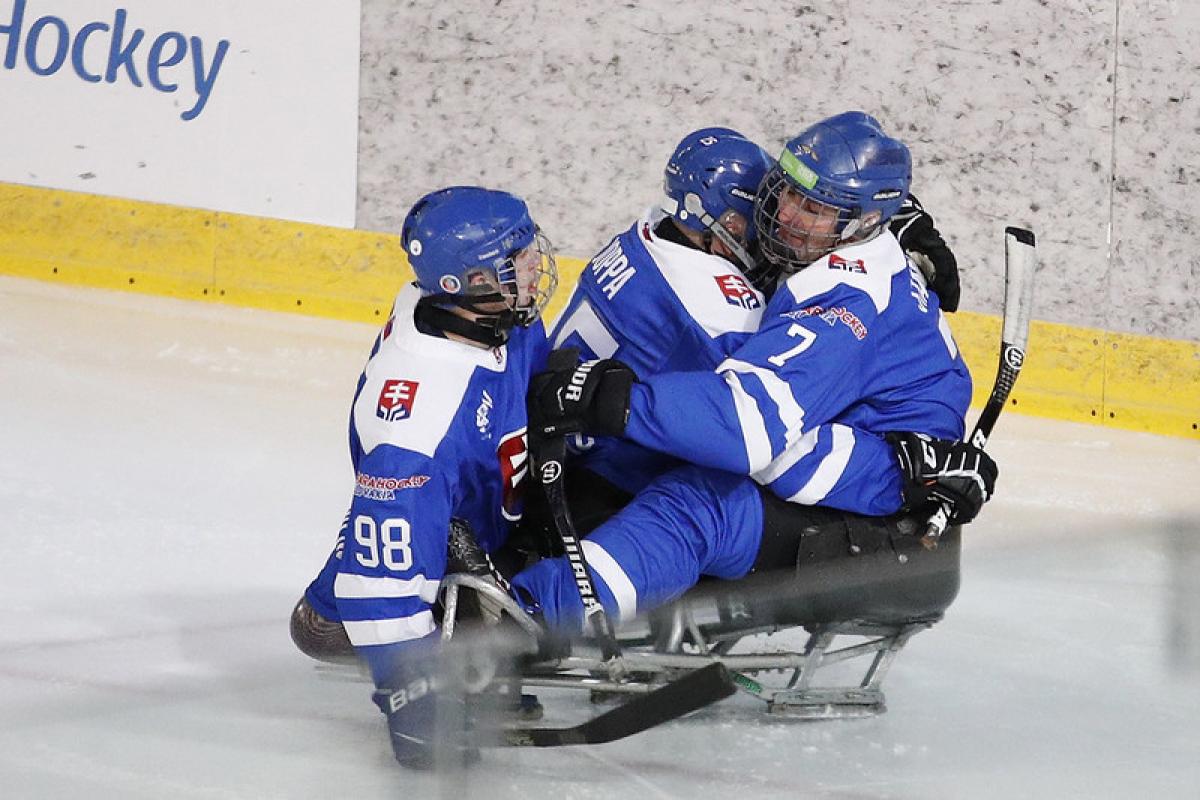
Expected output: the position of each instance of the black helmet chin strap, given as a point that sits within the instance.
(489, 329)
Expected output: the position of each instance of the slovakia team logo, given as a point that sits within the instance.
(856, 265)
(737, 292)
(396, 400)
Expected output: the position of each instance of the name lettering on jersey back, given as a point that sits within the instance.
(737, 292)
(832, 316)
(917, 287)
(374, 487)
(611, 269)
(396, 400)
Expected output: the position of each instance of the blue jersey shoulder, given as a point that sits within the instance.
(658, 305)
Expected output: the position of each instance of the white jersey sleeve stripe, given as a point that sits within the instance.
(947, 336)
(591, 329)
(360, 587)
(754, 429)
(608, 570)
(831, 468)
(788, 458)
(791, 414)
(364, 633)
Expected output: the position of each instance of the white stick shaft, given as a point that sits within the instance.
(1020, 265)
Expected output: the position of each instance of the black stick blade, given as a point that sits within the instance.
(691, 692)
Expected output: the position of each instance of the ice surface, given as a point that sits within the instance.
(172, 473)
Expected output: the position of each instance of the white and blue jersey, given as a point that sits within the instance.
(850, 348)
(658, 306)
(437, 430)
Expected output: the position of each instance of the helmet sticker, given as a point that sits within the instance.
(414, 247)
(450, 284)
(799, 171)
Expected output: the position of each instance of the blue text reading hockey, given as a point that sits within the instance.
(54, 39)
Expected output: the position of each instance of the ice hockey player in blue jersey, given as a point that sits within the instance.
(851, 395)
(437, 438)
(680, 290)
(670, 293)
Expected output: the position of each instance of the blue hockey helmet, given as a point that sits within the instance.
(476, 248)
(837, 183)
(712, 176)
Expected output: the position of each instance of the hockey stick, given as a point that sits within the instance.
(694, 690)
(691, 692)
(1020, 264)
(550, 457)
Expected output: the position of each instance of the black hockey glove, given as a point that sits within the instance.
(943, 470)
(588, 397)
(913, 226)
(426, 730)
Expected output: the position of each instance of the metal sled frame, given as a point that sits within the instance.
(682, 640)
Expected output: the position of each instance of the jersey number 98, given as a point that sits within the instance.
(389, 543)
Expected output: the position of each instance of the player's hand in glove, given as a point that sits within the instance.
(572, 397)
(913, 226)
(426, 730)
(944, 470)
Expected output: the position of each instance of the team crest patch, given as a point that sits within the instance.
(396, 400)
(737, 292)
(855, 265)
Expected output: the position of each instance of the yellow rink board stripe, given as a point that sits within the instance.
(1079, 374)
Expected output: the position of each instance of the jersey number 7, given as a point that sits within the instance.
(807, 338)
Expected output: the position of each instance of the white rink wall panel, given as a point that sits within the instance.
(1008, 108)
(1154, 285)
(228, 105)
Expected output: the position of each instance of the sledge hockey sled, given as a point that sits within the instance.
(853, 610)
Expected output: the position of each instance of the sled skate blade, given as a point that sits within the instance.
(834, 703)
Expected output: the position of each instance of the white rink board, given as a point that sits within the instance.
(270, 128)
